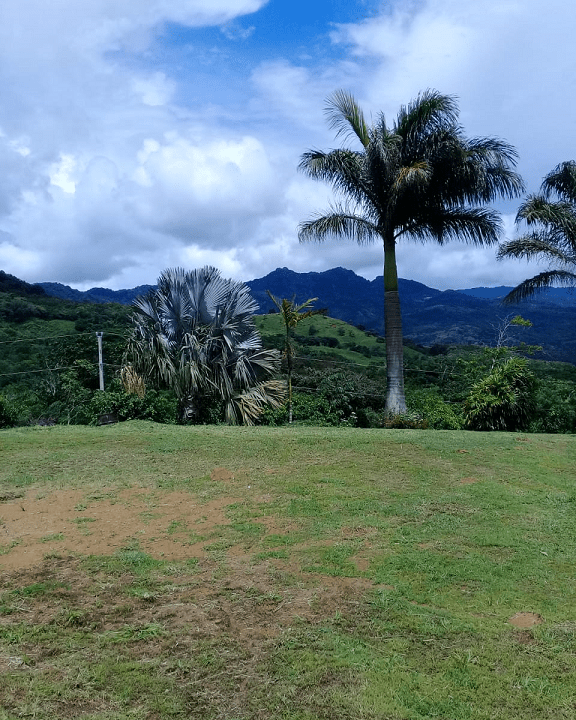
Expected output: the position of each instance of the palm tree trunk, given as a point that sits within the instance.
(395, 400)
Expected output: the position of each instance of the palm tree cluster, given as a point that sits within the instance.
(417, 178)
(195, 334)
(551, 216)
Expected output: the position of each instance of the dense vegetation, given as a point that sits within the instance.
(49, 374)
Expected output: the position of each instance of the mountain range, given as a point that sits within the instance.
(430, 317)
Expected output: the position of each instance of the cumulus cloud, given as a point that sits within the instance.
(511, 65)
(95, 171)
(111, 172)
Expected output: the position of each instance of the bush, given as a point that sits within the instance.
(157, 406)
(408, 420)
(437, 414)
(555, 407)
(504, 399)
(307, 409)
(7, 413)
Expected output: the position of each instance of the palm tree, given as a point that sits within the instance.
(196, 335)
(292, 314)
(419, 179)
(552, 214)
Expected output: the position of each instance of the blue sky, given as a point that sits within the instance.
(137, 135)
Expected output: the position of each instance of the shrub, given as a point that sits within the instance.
(408, 420)
(438, 414)
(307, 409)
(555, 407)
(7, 413)
(156, 405)
(504, 399)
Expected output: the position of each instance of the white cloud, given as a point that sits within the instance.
(111, 172)
(512, 64)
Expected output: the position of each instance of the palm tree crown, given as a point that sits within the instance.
(419, 178)
(195, 334)
(551, 215)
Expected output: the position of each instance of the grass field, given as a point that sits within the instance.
(158, 572)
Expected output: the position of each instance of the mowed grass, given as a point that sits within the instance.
(365, 574)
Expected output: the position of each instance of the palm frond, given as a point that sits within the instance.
(477, 226)
(346, 117)
(343, 169)
(547, 279)
(533, 246)
(338, 223)
(428, 113)
(416, 175)
(246, 407)
(562, 181)
(555, 221)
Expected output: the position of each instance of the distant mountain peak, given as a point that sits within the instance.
(429, 316)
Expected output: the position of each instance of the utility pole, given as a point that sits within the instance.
(100, 360)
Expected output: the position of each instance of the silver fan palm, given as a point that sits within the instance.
(195, 334)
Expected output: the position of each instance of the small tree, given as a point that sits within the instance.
(291, 315)
(503, 390)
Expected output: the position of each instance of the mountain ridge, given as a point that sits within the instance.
(430, 316)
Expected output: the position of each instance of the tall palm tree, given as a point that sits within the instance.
(552, 214)
(196, 334)
(291, 315)
(419, 178)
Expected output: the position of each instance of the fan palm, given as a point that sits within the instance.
(419, 178)
(552, 214)
(195, 334)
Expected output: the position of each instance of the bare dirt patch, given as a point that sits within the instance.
(57, 530)
(55, 573)
(525, 620)
(220, 474)
(163, 523)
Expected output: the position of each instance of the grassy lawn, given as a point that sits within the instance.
(286, 573)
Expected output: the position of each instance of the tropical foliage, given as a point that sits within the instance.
(551, 217)
(418, 178)
(196, 335)
(504, 399)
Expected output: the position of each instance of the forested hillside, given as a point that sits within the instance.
(430, 317)
(49, 361)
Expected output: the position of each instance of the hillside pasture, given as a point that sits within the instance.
(298, 573)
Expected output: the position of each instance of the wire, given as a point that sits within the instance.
(57, 369)
(55, 337)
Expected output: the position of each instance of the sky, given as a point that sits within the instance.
(137, 135)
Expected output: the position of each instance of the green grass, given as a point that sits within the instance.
(359, 574)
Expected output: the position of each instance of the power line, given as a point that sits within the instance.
(55, 369)
(55, 337)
